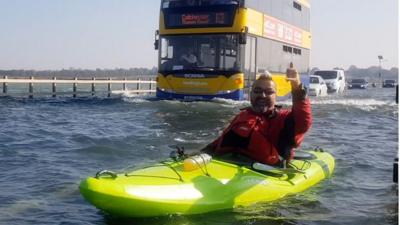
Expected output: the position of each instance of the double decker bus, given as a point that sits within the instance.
(217, 48)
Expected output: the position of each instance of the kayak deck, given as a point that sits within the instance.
(166, 188)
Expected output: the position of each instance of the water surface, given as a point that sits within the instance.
(48, 145)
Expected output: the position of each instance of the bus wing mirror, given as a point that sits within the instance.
(156, 40)
(243, 36)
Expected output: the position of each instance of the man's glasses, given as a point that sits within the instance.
(259, 91)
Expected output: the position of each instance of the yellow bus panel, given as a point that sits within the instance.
(307, 39)
(255, 22)
(283, 86)
(210, 86)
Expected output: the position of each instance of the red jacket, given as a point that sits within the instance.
(267, 138)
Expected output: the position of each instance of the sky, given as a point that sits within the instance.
(108, 34)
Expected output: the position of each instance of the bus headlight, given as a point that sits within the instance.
(166, 90)
(239, 81)
(224, 92)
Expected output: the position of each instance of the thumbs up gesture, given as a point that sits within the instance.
(293, 76)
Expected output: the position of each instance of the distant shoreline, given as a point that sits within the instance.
(82, 73)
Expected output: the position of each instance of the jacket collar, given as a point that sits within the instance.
(270, 114)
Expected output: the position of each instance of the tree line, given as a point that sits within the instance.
(373, 73)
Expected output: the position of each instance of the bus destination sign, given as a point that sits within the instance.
(203, 19)
(197, 19)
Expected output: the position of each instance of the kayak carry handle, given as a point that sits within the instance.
(318, 149)
(109, 173)
(178, 154)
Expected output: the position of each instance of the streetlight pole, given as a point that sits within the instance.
(380, 58)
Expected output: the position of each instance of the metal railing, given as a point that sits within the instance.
(141, 83)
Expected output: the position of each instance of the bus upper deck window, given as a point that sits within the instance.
(184, 3)
(221, 2)
(171, 4)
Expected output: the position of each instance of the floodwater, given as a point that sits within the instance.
(48, 145)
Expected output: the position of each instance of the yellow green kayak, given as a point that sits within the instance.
(171, 187)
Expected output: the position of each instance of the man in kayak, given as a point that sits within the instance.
(266, 132)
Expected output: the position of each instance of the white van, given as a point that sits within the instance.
(334, 79)
(317, 86)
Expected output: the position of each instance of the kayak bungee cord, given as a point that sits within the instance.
(205, 171)
(293, 169)
(163, 163)
(302, 168)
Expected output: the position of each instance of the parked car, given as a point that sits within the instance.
(358, 83)
(389, 83)
(335, 80)
(317, 86)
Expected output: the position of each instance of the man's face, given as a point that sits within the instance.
(262, 96)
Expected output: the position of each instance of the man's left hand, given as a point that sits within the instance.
(293, 76)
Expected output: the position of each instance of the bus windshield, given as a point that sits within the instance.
(327, 75)
(314, 80)
(200, 52)
(188, 3)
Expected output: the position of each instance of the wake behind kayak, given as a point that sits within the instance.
(172, 188)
